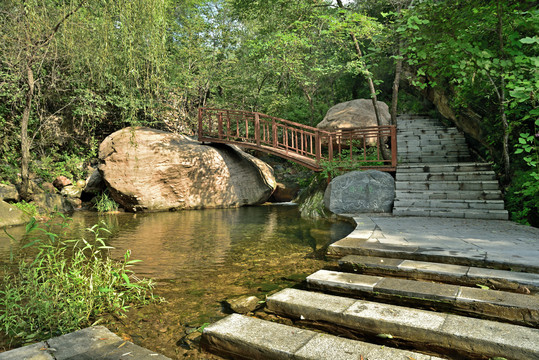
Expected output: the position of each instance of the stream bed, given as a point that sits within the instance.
(199, 259)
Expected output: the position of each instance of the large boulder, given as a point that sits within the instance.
(357, 113)
(153, 170)
(356, 192)
(11, 215)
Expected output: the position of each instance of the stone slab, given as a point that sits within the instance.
(417, 289)
(335, 348)
(499, 298)
(248, 338)
(527, 279)
(359, 262)
(491, 338)
(334, 280)
(423, 328)
(242, 337)
(87, 344)
(308, 305)
(434, 268)
(36, 351)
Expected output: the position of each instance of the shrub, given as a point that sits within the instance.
(60, 286)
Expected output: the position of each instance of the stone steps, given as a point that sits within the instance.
(434, 164)
(448, 273)
(443, 167)
(242, 337)
(495, 305)
(424, 330)
(448, 185)
(358, 246)
(447, 176)
(450, 204)
(470, 195)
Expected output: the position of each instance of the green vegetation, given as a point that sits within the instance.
(59, 285)
(74, 71)
(103, 203)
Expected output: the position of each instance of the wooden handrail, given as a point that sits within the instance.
(306, 145)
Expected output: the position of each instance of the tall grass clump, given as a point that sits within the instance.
(103, 203)
(57, 286)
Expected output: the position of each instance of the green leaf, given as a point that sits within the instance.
(126, 279)
(484, 287)
(32, 225)
(529, 40)
(385, 336)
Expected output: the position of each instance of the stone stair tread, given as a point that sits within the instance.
(449, 194)
(466, 275)
(518, 308)
(486, 214)
(243, 337)
(359, 246)
(425, 329)
(449, 204)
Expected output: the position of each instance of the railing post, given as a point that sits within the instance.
(274, 130)
(318, 144)
(220, 126)
(257, 129)
(199, 124)
(330, 147)
(393, 146)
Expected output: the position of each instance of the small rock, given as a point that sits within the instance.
(243, 304)
(284, 192)
(94, 183)
(81, 183)
(48, 187)
(60, 182)
(8, 192)
(71, 191)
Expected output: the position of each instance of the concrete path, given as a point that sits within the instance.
(92, 343)
(491, 243)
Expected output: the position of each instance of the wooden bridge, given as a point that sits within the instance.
(305, 145)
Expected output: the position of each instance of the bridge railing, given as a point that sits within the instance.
(304, 144)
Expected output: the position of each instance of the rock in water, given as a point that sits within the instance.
(356, 192)
(11, 215)
(354, 113)
(153, 170)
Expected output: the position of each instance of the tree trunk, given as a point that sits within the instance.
(506, 160)
(386, 152)
(25, 140)
(396, 81)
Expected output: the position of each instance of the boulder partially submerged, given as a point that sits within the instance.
(153, 170)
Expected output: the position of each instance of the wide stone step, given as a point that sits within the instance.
(431, 159)
(450, 204)
(242, 337)
(495, 305)
(449, 273)
(452, 213)
(450, 195)
(446, 176)
(418, 153)
(435, 130)
(409, 147)
(425, 329)
(358, 246)
(428, 137)
(430, 142)
(443, 168)
(447, 185)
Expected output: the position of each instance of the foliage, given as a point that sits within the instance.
(103, 203)
(344, 163)
(28, 208)
(62, 285)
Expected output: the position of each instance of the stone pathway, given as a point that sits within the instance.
(406, 288)
(92, 343)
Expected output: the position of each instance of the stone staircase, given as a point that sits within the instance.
(379, 308)
(435, 176)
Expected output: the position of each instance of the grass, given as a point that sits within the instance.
(58, 286)
(103, 203)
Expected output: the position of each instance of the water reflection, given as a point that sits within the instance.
(175, 244)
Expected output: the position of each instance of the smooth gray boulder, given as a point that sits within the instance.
(357, 192)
